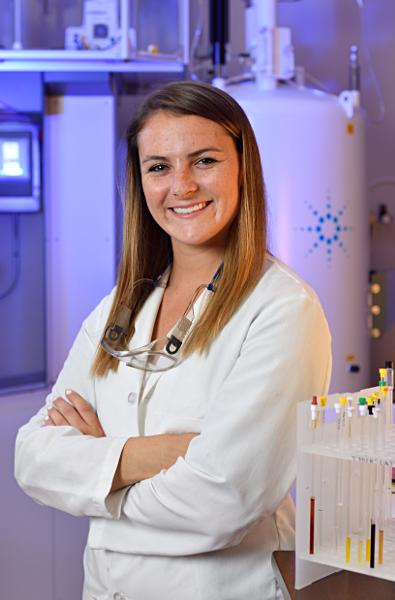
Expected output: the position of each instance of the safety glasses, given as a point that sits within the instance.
(158, 355)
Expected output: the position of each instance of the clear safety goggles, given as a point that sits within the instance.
(158, 355)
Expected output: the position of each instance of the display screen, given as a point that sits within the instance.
(15, 164)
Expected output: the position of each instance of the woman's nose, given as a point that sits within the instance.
(183, 183)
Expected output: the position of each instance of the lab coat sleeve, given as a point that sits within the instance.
(242, 465)
(58, 466)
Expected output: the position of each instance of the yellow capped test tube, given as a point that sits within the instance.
(348, 549)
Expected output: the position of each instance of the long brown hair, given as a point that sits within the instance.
(146, 247)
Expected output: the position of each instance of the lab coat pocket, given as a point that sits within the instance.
(160, 422)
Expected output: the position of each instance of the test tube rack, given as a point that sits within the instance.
(345, 511)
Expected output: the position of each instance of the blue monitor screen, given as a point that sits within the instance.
(15, 164)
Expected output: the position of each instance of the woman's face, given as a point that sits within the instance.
(190, 173)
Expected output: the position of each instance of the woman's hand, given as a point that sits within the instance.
(76, 412)
(144, 457)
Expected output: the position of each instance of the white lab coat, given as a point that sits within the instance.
(205, 528)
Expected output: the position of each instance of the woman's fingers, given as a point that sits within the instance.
(83, 407)
(64, 413)
(76, 412)
(55, 417)
(47, 421)
(90, 421)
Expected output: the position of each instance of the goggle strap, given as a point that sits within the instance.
(178, 334)
(124, 315)
(115, 332)
(211, 285)
(182, 327)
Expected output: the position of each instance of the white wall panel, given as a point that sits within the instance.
(79, 202)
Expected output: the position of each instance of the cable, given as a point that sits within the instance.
(112, 44)
(320, 86)
(197, 34)
(378, 183)
(369, 64)
(17, 261)
(6, 111)
(381, 181)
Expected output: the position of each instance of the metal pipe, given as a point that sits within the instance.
(124, 18)
(219, 33)
(17, 44)
(265, 53)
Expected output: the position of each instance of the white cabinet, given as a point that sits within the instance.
(41, 549)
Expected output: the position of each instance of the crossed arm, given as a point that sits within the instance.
(141, 457)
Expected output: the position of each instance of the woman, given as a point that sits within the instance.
(172, 423)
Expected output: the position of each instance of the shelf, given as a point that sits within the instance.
(87, 60)
(383, 456)
(384, 571)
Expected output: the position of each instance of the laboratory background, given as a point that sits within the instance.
(316, 79)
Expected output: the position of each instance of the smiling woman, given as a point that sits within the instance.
(172, 422)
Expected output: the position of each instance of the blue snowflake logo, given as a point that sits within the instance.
(327, 230)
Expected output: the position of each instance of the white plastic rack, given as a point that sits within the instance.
(344, 505)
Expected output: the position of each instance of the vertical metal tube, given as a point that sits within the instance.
(124, 26)
(354, 74)
(219, 33)
(265, 53)
(17, 43)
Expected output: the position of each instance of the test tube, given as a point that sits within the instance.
(313, 425)
(312, 523)
(322, 403)
(313, 413)
(376, 426)
(372, 543)
(348, 514)
(387, 401)
(343, 405)
(369, 504)
(321, 504)
(389, 375)
(350, 411)
(377, 498)
(337, 407)
(380, 512)
(387, 378)
(339, 531)
(379, 441)
(387, 495)
(361, 515)
(363, 411)
(389, 366)
(370, 423)
(354, 505)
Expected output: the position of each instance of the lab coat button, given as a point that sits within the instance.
(132, 397)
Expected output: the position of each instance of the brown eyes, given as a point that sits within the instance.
(160, 167)
(157, 168)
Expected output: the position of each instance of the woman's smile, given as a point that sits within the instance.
(191, 210)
